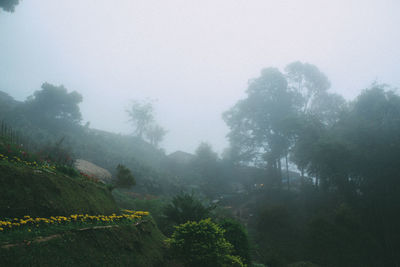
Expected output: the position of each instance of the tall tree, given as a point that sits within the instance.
(307, 81)
(260, 123)
(155, 134)
(141, 115)
(317, 110)
(359, 159)
(207, 168)
(54, 103)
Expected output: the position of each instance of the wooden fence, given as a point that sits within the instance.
(14, 136)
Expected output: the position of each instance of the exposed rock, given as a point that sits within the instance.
(93, 170)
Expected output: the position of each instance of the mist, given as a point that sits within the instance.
(200, 133)
(193, 59)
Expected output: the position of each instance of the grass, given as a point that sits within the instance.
(125, 245)
(41, 190)
(28, 190)
(27, 228)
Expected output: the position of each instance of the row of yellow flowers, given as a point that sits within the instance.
(128, 215)
(27, 163)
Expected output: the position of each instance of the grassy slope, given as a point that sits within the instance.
(128, 245)
(25, 191)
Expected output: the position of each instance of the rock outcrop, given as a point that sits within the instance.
(93, 170)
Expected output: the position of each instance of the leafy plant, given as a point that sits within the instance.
(236, 234)
(185, 207)
(202, 244)
(124, 178)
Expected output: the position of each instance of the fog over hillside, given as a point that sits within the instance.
(192, 58)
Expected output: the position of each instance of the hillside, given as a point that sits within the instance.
(38, 192)
(127, 245)
(103, 148)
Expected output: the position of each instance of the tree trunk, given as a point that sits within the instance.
(280, 172)
(287, 172)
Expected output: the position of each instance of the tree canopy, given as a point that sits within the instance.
(54, 103)
(141, 115)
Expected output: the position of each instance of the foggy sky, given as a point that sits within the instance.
(194, 58)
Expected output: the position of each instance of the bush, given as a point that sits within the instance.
(70, 171)
(57, 154)
(202, 243)
(185, 207)
(236, 234)
(124, 177)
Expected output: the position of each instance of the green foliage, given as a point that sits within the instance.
(155, 206)
(257, 122)
(27, 191)
(207, 169)
(236, 234)
(277, 235)
(141, 116)
(307, 81)
(303, 264)
(57, 154)
(338, 239)
(185, 207)
(124, 178)
(68, 170)
(54, 103)
(126, 245)
(155, 134)
(260, 125)
(100, 147)
(202, 244)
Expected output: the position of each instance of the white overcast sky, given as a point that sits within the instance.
(194, 58)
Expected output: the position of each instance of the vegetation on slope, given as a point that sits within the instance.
(28, 191)
(125, 245)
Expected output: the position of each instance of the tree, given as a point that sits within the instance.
(317, 110)
(124, 178)
(236, 234)
(142, 116)
(327, 108)
(358, 160)
(206, 166)
(54, 103)
(260, 124)
(185, 207)
(307, 81)
(198, 244)
(8, 5)
(155, 134)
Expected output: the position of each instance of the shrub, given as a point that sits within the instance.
(124, 177)
(70, 171)
(236, 234)
(202, 244)
(185, 207)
